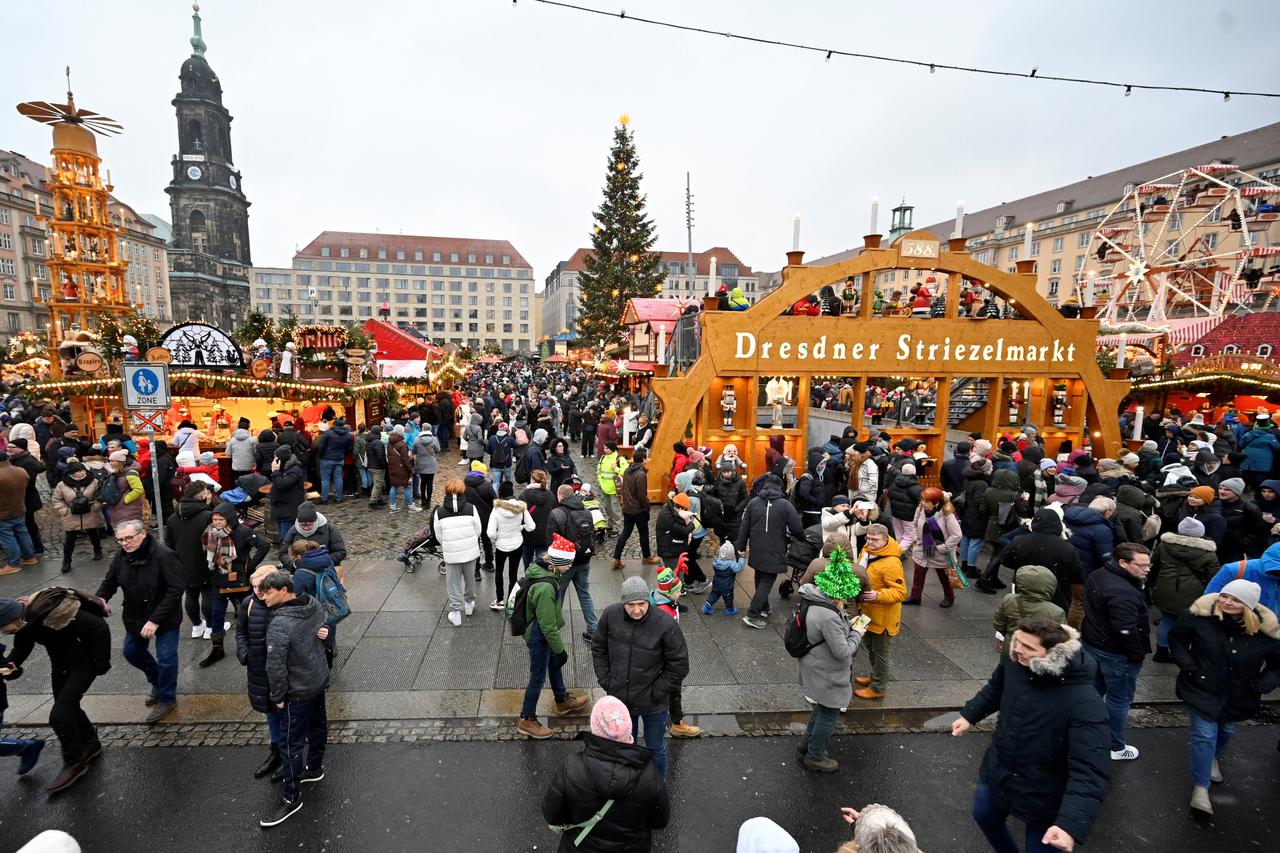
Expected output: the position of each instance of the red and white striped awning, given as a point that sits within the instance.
(1182, 332)
(1215, 167)
(1262, 252)
(1154, 188)
(1254, 192)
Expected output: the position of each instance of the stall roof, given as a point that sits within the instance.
(395, 344)
(412, 368)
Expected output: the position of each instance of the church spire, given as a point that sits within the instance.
(197, 43)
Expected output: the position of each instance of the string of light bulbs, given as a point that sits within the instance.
(1033, 74)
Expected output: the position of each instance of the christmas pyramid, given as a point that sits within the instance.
(837, 580)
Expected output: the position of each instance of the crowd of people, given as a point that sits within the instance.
(1182, 533)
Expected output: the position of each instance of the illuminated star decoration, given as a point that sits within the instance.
(1137, 273)
(624, 119)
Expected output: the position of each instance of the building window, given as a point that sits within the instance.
(15, 322)
(1035, 249)
(1057, 244)
(10, 292)
(1197, 349)
(1215, 215)
(488, 259)
(6, 266)
(4, 216)
(506, 259)
(265, 307)
(399, 254)
(6, 242)
(324, 251)
(1230, 349)
(1264, 350)
(344, 252)
(1055, 266)
(1211, 240)
(1079, 262)
(1053, 287)
(1082, 239)
(1013, 255)
(471, 258)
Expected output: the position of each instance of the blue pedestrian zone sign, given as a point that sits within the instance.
(146, 385)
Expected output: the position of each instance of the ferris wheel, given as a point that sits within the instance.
(1188, 244)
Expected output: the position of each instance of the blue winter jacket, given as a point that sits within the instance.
(1091, 534)
(1261, 449)
(1264, 571)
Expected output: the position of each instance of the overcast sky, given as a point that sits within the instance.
(477, 118)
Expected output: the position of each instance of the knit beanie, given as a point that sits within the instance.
(1109, 465)
(1234, 484)
(634, 589)
(10, 610)
(1130, 459)
(611, 720)
(668, 584)
(1191, 526)
(1150, 446)
(909, 469)
(682, 500)
(561, 551)
(119, 456)
(208, 458)
(1205, 493)
(1247, 591)
(727, 551)
(307, 512)
(283, 452)
(1046, 464)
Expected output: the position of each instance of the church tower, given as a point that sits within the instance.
(900, 221)
(210, 252)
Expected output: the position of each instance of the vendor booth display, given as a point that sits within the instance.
(1038, 369)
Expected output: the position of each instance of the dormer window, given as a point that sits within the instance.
(1264, 350)
(1230, 349)
(1197, 350)
(1061, 207)
(1128, 188)
(1001, 222)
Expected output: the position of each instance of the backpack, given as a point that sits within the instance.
(109, 493)
(80, 505)
(330, 594)
(1150, 527)
(796, 635)
(583, 531)
(523, 469)
(501, 455)
(522, 437)
(518, 604)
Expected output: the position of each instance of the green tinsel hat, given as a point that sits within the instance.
(837, 580)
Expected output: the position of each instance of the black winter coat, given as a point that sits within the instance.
(733, 500)
(607, 770)
(765, 525)
(540, 503)
(375, 452)
(75, 635)
(480, 494)
(1049, 761)
(34, 468)
(953, 474)
(1044, 546)
(1246, 535)
(288, 490)
(671, 533)
(973, 522)
(1115, 614)
(264, 453)
(1004, 489)
(640, 661)
(152, 581)
(1223, 670)
(904, 497)
(183, 532)
(252, 621)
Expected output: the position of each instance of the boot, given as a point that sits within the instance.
(1162, 655)
(215, 654)
(67, 777)
(97, 553)
(66, 564)
(272, 763)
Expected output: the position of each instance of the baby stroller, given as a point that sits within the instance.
(799, 554)
(419, 547)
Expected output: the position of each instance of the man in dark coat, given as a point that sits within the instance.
(1116, 632)
(635, 508)
(150, 578)
(332, 448)
(376, 462)
(288, 488)
(1044, 546)
(1047, 763)
(640, 656)
(183, 533)
(953, 470)
(762, 536)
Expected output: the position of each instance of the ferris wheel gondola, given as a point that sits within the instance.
(1162, 251)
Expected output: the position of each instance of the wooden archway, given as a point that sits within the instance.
(1044, 348)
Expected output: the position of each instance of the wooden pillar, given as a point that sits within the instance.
(994, 414)
(943, 411)
(859, 403)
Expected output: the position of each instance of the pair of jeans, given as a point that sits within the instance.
(541, 666)
(639, 522)
(510, 559)
(366, 478)
(877, 646)
(760, 597)
(12, 745)
(500, 474)
(16, 540)
(304, 735)
(580, 577)
(1117, 679)
(331, 473)
(1167, 620)
(275, 725)
(992, 820)
(1208, 740)
(460, 583)
(442, 433)
(162, 670)
(379, 485)
(396, 492)
(218, 610)
(922, 574)
(76, 734)
(970, 548)
(822, 725)
(283, 526)
(655, 737)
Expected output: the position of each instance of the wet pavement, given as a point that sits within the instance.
(486, 796)
(400, 659)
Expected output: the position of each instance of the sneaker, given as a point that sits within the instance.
(683, 729)
(1200, 800)
(30, 561)
(862, 681)
(393, 511)
(1162, 655)
(282, 812)
(226, 626)
(617, 564)
(533, 729)
(570, 704)
(868, 693)
(455, 618)
(1129, 753)
(707, 609)
(946, 602)
(414, 508)
(497, 605)
(730, 611)
(1215, 772)
(197, 631)
(311, 774)
(30, 754)
(469, 607)
(764, 614)
(10, 570)
(751, 622)
(912, 602)
(208, 633)
(820, 765)
(159, 712)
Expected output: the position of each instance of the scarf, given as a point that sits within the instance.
(221, 549)
(932, 534)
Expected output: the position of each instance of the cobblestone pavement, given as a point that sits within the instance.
(399, 659)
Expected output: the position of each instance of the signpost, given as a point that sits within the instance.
(146, 396)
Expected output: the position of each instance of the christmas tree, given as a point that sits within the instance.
(621, 265)
(837, 580)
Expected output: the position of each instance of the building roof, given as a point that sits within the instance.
(1246, 331)
(395, 343)
(1246, 151)
(355, 240)
(702, 260)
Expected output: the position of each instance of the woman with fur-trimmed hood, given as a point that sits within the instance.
(1227, 647)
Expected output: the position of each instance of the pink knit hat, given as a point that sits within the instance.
(611, 720)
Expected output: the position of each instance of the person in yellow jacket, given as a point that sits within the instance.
(609, 471)
(738, 300)
(882, 557)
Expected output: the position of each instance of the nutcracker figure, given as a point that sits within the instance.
(728, 405)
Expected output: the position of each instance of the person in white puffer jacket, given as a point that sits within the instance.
(508, 523)
(457, 527)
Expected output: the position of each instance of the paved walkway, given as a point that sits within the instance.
(400, 659)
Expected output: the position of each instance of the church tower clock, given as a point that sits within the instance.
(209, 257)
